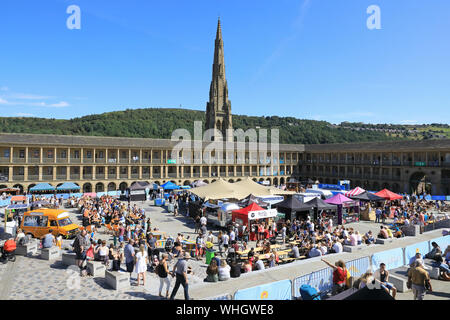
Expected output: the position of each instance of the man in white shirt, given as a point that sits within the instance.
(259, 264)
(203, 221)
(337, 247)
(226, 241)
(353, 239)
(232, 236)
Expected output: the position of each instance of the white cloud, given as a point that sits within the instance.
(27, 96)
(4, 88)
(3, 101)
(60, 104)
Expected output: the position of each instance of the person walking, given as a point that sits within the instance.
(129, 256)
(162, 271)
(180, 272)
(140, 268)
(80, 246)
(419, 280)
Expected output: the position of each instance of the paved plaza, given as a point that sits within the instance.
(33, 278)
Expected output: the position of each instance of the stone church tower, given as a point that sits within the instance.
(218, 109)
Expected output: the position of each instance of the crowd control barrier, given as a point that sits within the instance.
(391, 258)
(358, 267)
(280, 290)
(420, 247)
(442, 242)
(322, 280)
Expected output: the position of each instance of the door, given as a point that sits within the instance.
(42, 228)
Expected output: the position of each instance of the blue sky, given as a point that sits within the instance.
(310, 59)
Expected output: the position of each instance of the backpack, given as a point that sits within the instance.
(309, 293)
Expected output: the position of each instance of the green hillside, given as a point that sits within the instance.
(159, 123)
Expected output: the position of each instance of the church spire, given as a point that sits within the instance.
(218, 109)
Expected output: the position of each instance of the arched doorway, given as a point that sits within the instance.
(111, 186)
(87, 187)
(231, 181)
(99, 187)
(275, 181)
(3, 186)
(29, 187)
(123, 186)
(20, 187)
(158, 183)
(187, 183)
(419, 183)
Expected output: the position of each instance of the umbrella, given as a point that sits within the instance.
(338, 199)
(170, 186)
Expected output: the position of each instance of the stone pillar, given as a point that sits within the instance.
(81, 172)
(68, 155)
(54, 155)
(209, 171)
(81, 155)
(129, 172)
(118, 172)
(54, 170)
(140, 172)
(118, 156)
(25, 173)
(10, 173)
(161, 171)
(129, 156)
(234, 170)
(166, 171)
(67, 173)
(140, 156)
(94, 170)
(41, 155)
(26, 155)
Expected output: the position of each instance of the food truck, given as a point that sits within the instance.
(253, 214)
(222, 218)
(39, 222)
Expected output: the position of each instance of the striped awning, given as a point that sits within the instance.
(354, 192)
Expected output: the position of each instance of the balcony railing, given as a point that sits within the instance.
(18, 178)
(100, 176)
(75, 176)
(156, 175)
(87, 176)
(88, 160)
(123, 176)
(47, 177)
(61, 176)
(4, 160)
(75, 160)
(18, 160)
(33, 177)
(122, 160)
(135, 176)
(172, 175)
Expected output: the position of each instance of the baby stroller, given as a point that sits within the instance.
(169, 244)
(8, 251)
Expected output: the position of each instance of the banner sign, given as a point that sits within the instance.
(391, 258)
(280, 290)
(411, 250)
(252, 215)
(322, 280)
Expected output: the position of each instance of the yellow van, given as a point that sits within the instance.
(38, 223)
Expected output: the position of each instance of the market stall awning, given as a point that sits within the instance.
(388, 195)
(320, 204)
(68, 186)
(293, 204)
(140, 185)
(367, 196)
(253, 211)
(199, 183)
(170, 186)
(18, 198)
(42, 187)
(354, 192)
(338, 199)
(248, 186)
